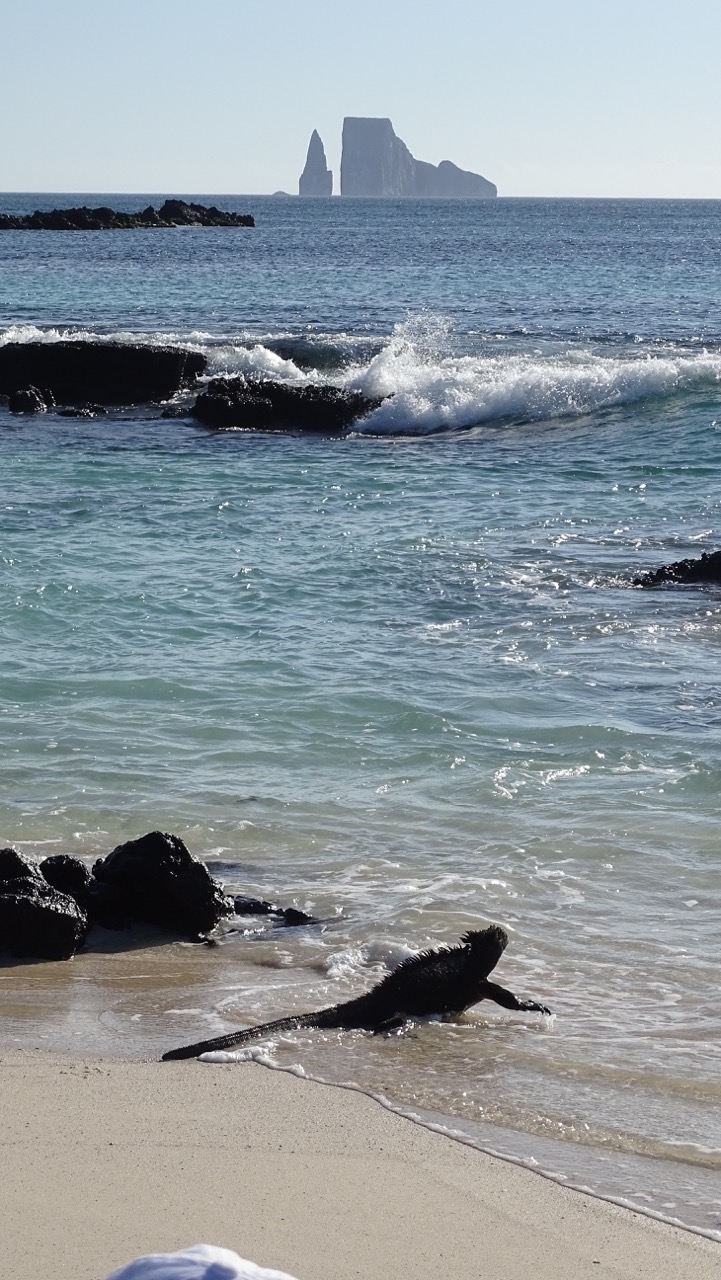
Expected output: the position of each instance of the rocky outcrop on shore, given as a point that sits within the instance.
(48, 908)
(36, 920)
(691, 572)
(38, 375)
(316, 178)
(238, 403)
(173, 213)
(377, 163)
(156, 880)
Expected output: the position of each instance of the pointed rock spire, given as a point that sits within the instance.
(316, 179)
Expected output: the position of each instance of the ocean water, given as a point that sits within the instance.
(402, 680)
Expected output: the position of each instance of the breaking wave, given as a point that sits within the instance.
(427, 387)
(427, 384)
(429, 392)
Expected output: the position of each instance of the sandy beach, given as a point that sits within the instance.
(103, 1161)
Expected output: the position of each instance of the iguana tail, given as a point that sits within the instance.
(242, 1037)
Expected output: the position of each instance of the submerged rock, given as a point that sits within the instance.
(692, 572)
(289, 916)
(276, 406)
(157, 880)
(174, 213)
(83, 411)
(316, 179)
(97, 373)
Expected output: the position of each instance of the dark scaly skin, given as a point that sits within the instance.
(443, 983)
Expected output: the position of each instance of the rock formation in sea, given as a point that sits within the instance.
(237, 403)
(375, 162)
(84, 371)
(316, 179)
(88, 378)
(702, 569)
(174, 213)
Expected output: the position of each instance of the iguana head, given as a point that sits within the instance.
(486, 947)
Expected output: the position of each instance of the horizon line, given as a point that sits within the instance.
(290, 195)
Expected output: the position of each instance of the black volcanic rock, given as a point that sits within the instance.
(316, 179)
(83, 411)
(15, 866)
(289, 916)
(277, 406)
(229, 407)
(67, 875)
(29, 401)
(100, 373)
(47, 909)
(692, 572)
(377, 163)
(155, 879)
(36, 920)
(174, 213)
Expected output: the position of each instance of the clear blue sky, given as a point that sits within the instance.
(544, 97)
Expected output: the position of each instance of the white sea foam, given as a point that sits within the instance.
(428, 388)
(431, 393)
(250, 1053)
(372, 955)
(257, 361)
(23, 333)
(26, 333)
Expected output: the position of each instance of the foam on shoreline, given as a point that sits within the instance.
(578, 1167)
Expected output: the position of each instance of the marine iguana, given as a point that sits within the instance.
(444, 982)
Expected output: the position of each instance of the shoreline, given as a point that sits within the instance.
(118, 1006)
(447, 1127)
(106, 1160)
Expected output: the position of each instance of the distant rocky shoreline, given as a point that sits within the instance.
(173, 213)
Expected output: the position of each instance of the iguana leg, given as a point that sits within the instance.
(396, 1023)
(492, 991)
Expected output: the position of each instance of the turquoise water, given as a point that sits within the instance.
(402, 680)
